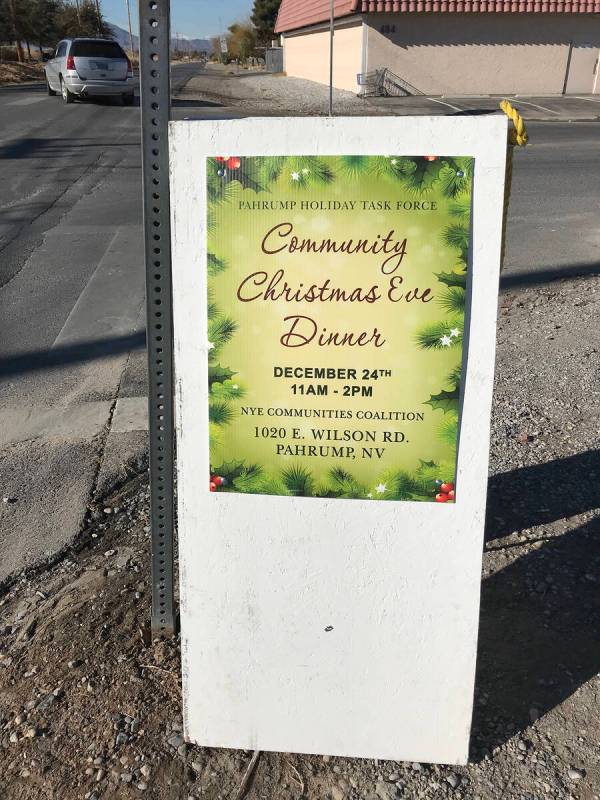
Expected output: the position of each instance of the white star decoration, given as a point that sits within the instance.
(235, 387)
(305, 171)
(295, 176)
(445, 341)
(454, 333)
(394, 160)
(380, 488)
(210, 345)
(370, 495)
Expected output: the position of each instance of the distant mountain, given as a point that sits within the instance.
(122, 36)
(181, 43)
(185, 45)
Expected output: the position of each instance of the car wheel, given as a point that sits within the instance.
(128, 99)
(67, 96)
(50, 90)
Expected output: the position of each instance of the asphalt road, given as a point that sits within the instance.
(554, 218)
(72, 361)
(71, 310)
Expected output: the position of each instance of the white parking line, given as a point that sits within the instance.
(26, 101)
(589, 99)
(435, 100)
(536, 105)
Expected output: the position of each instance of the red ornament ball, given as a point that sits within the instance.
(233, 162)
(218, 480)
(212, 487)
(446, 487)
(222, 159)
(430, 158)
(451, 494)
(441, 498)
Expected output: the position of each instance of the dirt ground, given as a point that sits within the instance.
(90, 708)
(13, 72)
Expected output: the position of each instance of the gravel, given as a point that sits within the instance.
(453, 779)
(538, 646)
(274, 96)
(176, 740)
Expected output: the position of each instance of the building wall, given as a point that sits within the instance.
(472, 53)
(306, 55)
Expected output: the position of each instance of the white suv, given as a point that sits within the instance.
(90, 67)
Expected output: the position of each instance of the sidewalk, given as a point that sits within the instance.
(251, 92)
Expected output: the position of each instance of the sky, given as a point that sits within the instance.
(196, 19)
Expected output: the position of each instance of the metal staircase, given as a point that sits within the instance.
(385, 83)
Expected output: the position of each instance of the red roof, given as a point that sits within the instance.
(295, 14)
(298, 13)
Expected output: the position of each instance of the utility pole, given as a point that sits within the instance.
(78, 16)
(331, 27)
(99, 17)
(130, 33)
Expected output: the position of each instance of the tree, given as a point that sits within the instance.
(241, 41)
(42, 23)
(5, 27)
(45, 21)
(264, 14)
(14, 16)
(81, 20)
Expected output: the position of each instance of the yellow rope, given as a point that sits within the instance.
(517, 137)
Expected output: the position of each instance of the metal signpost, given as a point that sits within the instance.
(155, 105)
(331, 33)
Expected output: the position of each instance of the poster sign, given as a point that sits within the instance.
(336, 318)
(334, 290)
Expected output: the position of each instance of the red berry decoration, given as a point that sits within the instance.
(441, 498)
(430, 158)
(446, 487)
(222, 159)
(451, 494)
(212, 487)
(233, 162)
(218, 480)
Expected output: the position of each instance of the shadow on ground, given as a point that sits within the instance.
(538, 640)
(515, 280)
(90, 350)
(542, 493)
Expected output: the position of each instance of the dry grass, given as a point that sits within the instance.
(13, 72)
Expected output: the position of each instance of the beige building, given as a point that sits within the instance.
(448, 47)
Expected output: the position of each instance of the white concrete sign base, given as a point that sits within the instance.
(313, 625)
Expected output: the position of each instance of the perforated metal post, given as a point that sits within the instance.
(155, 102)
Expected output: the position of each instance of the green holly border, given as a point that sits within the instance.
(417, 176)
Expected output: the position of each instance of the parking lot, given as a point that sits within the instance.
(554, 107)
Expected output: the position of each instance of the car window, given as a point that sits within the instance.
(97, 49)
(60, 49)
